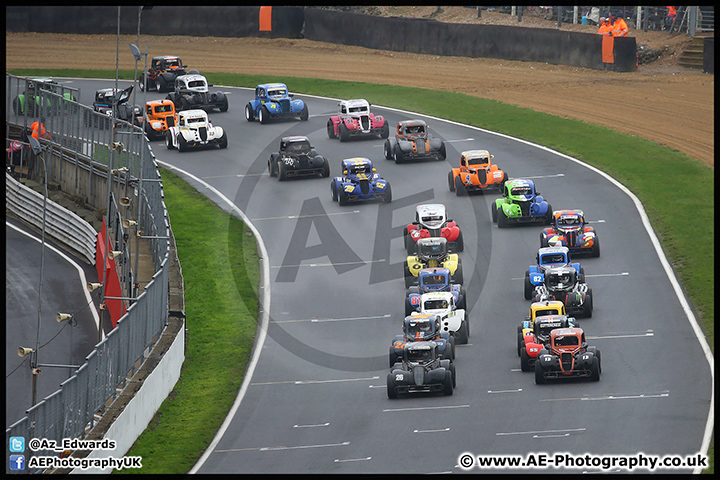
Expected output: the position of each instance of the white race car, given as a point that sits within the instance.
(193, 130)
(452, 319)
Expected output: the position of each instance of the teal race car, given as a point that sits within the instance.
(520, 203)
(35, 103)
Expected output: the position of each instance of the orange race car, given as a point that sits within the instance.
(477, 173)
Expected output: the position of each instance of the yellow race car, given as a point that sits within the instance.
(432, 252)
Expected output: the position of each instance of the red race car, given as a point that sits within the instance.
(431, 221)
(354, 119)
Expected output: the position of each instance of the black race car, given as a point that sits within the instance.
(297, 158)
(421, 370)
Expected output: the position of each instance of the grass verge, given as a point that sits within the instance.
(667, 182)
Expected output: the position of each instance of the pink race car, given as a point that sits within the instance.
(355, 120)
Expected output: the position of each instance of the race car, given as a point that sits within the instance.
(567, 356)
(561, 284)
(162, 72)
(539, 336)
(194, 130)
(417, 328)
(359, 182)
(452, 319)
(272, 101)
(431, 221)
(434, 280)
(432, 252)
(412, 141)
(545, 258)
(354, 120)
(159, 117)
(109, 99)
(191, 92)
(297, 158)
(537, 309)
(520, 203)
(476, 173)
(421, 370)
(570, 229)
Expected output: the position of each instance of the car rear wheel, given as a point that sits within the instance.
(342, 197)
(451, 181)
(387, 150)
(388, 194)
(249, 115)
(385, 131)
(595, 369)
(272, 171)
(168, 141)
(281, 171)
(326, 167)
(331, 129)
(448, 383)
(398, 153)
(304, 114)
(462, 334)
(391, 393)
(460, 187)
(501, 218)
(494, 212)
(539, 372)
(333, 192)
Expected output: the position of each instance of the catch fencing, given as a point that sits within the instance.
(85, 155)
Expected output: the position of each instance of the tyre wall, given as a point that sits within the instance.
(425, 36)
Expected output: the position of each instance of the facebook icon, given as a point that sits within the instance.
(17, 462)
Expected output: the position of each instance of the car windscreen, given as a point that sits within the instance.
(564, 340)
(276, 92)
(298, 147)
(521, 191)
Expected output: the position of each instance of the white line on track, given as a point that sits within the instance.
(432, 431)
(270, 449)
(310, 382)
(515, 390)
(338, 460)
(640, 396)
(649, 333)
(413, 409)
(547, 176)
(239, 175)
(323, 320)
(329, 264)
(291, 217)
(541, 432)
(312, 426)
(460, 140)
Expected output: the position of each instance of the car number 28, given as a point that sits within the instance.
(398, 377)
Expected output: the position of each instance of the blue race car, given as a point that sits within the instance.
(520, 203)
(437, 279)
(421, 327)
(359, 182)
(548, 257)
(272, 100)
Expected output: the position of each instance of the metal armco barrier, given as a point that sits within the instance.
(61, 224)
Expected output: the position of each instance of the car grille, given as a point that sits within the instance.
(418, 375)
(524, 208)
(284, 106)
(434, 232)
(365, 122)
(571, 238)
(171, 121)
(203, 133)
(364, 187)
(482, 176)
(566, 360)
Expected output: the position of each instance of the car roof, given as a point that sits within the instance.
(192, 76)
(295, 138)
(434, 271)
(518, 182)
(421, 316)
(356, 102)
(272, 85)
(166, 57)
(412, 122)
(546, 304)
(437, 295)
(546, 250)
(567, 332)
(568, 212)
(431, 209)
(348, 162)
(193, 113)
(475, 154)
(163, 101)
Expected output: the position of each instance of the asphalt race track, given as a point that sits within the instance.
(317, 402)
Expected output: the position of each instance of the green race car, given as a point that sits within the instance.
(520, 203)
